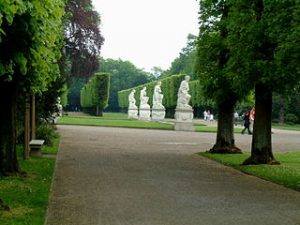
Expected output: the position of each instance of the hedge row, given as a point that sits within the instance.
(169, 86)
(95, 93)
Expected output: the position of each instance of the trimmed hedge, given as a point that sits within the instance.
(95, 93)
(169, 86)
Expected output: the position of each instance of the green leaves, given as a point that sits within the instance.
(30, 34)
(22, 62)
(96, 91)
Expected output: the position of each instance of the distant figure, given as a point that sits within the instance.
(236, 118)
(183, 94)
(205, 115)
(211, 117)
(246, 122)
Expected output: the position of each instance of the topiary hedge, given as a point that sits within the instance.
(95, 93)
(169, 86)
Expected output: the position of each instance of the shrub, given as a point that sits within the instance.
(291, 118)
(46, 132)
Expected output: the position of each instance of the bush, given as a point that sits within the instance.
(46, 132)
(291, 118)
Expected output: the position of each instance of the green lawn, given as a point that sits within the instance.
(295, 127)
(113, 122)
(201, 128)
(111, 119)
(27, 196)
(287, 174)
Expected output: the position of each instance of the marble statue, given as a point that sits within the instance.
(59, 107)
(158, 97)
(132, 100)
(144, 99)
(132, 108)
(144, 110)
(184, 112)
(183, 94)
(158, 110)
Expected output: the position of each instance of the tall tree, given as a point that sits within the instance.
(83, 38)
(185, 63)
(30, 41)
(214, 72)
(264, 49)
(123, 75)
(83, 41)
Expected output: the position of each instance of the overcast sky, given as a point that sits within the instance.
(146, 32)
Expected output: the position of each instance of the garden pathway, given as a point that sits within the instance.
(114, 176)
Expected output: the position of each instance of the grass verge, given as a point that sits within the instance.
(27, 196)
(115, 122)
(287, 174)
(201, 128)
(295, 127)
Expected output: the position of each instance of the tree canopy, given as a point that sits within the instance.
(30, 42)
(83, 39)
(123, 75)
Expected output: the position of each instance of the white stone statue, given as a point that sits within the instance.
(59, 107)
(158, 97)
(183, 94)
(131, 100)
(158, 110)
(132, 108)
(144, 110)
(184, 112)
(144, 99)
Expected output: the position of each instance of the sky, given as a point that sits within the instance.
(148, 33)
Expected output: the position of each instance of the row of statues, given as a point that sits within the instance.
(184, 111)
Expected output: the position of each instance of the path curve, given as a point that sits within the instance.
(114, 176)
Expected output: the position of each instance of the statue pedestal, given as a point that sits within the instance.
(144, 114)
(184, 119)
(132, 113)
(158, 114)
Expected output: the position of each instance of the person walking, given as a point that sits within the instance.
(246, 122)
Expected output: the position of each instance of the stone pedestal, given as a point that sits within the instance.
(184, 119)
(132, 113)
(144, 114)
(158, 114)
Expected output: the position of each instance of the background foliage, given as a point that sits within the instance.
(96, 92)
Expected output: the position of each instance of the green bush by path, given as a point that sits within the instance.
(287, 174)
(27, 196)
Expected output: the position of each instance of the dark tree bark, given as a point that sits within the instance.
(281, 110)
(26, 149)
(32, 118)
(99, 111)
(261, 149)
(8, 153)
(225, 142)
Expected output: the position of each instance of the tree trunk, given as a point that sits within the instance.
(281, 110)
(99, 111)
(32, 118)
(261, 149)
(26, 149)
(225, 134)
(8, 153)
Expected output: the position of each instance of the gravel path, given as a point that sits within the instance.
(114, 176)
